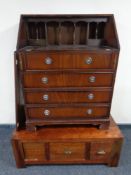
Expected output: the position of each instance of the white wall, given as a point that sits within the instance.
(9, 18)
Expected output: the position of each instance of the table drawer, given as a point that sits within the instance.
(67, 151)
(45, 80)
(67, 112)
(67, 96)
(33, 151)
(101, 150)
(68, 60)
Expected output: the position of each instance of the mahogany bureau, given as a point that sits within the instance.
(65, 67)
(68, 145)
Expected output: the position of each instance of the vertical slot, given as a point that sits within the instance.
(67, 32)
(53, 33)
(74, 34)
(36, 32)
(92, 34)
(46, 36)
(59, 34)
(81, 33)
(41, 30)
(95, 34)
(88, 31)
(101, 28)
(32, 30)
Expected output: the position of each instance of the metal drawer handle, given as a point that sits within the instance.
(101, 152)
(45, 97)
(89, 60)
(44, 80)
(89, 111)
(92, 79)
(48, 60)
(46, 112)
(90, 96)
(67, 152)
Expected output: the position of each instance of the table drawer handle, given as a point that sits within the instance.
(46, 112)
(48, 60)
(101, 152)
(89, 111)
(45, 97)
(44, 80)
(90, 96)
(89, 60)
(67, 152)
(92, 79)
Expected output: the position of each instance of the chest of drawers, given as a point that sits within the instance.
(65, 67)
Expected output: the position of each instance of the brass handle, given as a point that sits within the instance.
(67, 152)
(48, 60)
(101, 152)
(92, 79)
(90, 96)
(46, 112)
(45, 97)
(44, 80)
(89, 111)
(89, 60)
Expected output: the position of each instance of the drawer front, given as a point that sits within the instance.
(66, 112)
(67, 151)
(67, 97)
(43, 61)
(43, 80)
(101, 150)
(34, 151)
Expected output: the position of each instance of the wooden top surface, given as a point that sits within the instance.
(70, 133)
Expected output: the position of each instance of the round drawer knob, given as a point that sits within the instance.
(89, 111)
(89, 60)
(48, 60)
(44, 80)
(45, 97)
(90, 96)
(46, 112)
(92, 79)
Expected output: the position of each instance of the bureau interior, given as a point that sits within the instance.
(83, 30)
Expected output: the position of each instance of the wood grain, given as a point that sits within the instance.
(68, 60)
(57, 79)
(67, 97)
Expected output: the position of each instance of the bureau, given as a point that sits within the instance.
(65, 68)
(68, 145)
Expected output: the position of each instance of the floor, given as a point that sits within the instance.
(7, 162)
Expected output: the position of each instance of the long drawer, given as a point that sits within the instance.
(77, 79)
(68, 60)
(44, 97)
(82, 111)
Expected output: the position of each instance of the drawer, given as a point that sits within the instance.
(67, 151)
(67, 112)
(33, 151)
(68, 60)
(43, 80)
(101, 150)
(67, 96)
